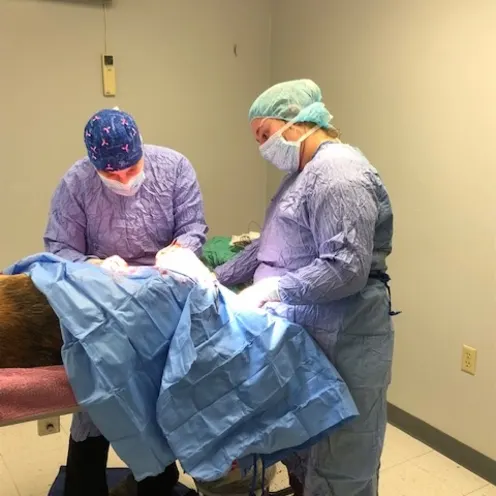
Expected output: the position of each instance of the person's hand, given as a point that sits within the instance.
(114, 264)
(183, 261)
(161, 256)
(262, 292)
(94, 261)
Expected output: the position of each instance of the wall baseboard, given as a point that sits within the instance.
(448, 446)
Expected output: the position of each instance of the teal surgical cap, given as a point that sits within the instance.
(296, 101)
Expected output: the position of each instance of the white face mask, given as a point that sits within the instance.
(285, 155)
(129, 189)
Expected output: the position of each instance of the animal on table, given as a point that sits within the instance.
(29, 329)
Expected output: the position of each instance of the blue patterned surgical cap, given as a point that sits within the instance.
(112, 140)
(297, 101)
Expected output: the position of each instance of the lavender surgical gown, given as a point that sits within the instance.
(327, 233)
(89, 220)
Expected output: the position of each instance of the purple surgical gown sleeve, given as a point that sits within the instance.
(190, 228)
(241, 268)
(65, 234)
(342, 216)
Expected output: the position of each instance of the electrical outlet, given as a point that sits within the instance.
(469, 359)
(48, 426)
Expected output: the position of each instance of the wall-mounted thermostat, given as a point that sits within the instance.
(108, 72)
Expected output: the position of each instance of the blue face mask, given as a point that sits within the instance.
(128, 189)
(285, 155)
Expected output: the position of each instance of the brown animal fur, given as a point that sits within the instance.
(29, 329)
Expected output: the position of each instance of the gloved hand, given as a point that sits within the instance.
(114, 264)
(174, 258)
(262, 292)
(94, 261)
(161, 256)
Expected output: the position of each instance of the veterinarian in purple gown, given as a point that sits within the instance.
(124, 203)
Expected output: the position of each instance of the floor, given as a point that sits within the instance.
(29, 464)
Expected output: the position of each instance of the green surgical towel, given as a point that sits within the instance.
(218, 251)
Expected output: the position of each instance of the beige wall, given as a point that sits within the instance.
(176, 72)
(413, 84)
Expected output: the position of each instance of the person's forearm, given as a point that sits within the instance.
(241, 268)
(194, 238)
(65, 252)
(323, 281)
(66, 236)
